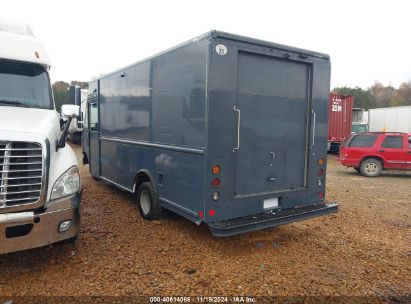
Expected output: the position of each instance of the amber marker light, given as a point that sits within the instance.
(216, 169)
(321, 161)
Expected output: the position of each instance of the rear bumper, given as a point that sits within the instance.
(25, 230)
(269, 220)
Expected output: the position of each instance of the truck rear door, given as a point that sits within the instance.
(272, 115)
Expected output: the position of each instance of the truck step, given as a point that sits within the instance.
(269, 220)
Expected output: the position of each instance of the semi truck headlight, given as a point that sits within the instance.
(68, 183)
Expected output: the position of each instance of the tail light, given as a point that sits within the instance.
(321, 195)
(320, 172)
(215, 183)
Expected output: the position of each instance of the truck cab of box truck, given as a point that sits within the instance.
(40, 186)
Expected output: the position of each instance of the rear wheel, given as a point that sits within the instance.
(148, 202)
(371, 167)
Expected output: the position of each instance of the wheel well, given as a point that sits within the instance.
(375, 157)
(141, 177)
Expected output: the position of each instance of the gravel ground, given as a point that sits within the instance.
(364, 250)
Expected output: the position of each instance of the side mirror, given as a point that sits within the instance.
(70, 111)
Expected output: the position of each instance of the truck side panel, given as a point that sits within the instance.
(152, 117)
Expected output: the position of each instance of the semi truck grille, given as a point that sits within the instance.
(21, 171)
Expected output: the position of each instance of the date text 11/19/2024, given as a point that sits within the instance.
(203, 299)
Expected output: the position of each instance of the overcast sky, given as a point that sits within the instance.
(367, 40)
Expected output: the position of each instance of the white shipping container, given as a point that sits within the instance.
(393, 119)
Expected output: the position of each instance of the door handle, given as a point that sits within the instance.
(238, 128)
(313, 142)
(382, 151)
(409, 152)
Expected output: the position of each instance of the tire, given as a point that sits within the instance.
(76, 138)
(371, 167)
(147, 202)
(357, 169)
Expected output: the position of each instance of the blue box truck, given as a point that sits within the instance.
(223, 130)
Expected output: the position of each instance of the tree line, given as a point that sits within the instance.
(61, 91)
(378, 95)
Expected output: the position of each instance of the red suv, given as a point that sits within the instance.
(370, 153)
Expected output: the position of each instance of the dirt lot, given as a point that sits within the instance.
(364, 250)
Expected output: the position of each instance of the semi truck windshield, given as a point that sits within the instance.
(24, 85)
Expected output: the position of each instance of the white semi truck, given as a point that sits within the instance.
(40, 189)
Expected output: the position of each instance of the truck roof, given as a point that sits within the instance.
(18, 43)
(220, 34)
(224, 35)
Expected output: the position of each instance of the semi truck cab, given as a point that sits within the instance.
(40, 190)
